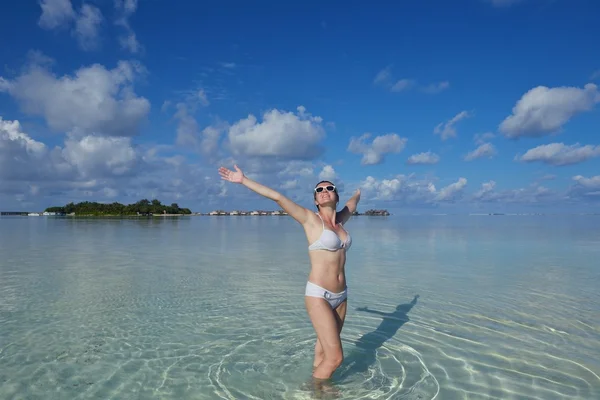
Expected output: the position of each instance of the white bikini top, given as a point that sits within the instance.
(329, 240)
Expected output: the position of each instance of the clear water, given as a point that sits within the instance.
(212, 308)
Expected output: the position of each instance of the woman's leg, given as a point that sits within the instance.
(340, 317)
(327, 327)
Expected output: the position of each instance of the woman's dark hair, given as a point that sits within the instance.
(337, 196)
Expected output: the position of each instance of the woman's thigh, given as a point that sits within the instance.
(326, 323)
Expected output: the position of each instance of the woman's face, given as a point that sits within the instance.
(326, 193)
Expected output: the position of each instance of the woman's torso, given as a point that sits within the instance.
(327, 252)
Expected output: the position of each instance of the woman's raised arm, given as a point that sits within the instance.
(296, 211)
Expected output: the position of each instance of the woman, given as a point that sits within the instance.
(326, 292)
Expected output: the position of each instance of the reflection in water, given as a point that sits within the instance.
(365, 355)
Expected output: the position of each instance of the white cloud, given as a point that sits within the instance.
(423, 158)
(93, 100)
(374, 152)
(97, 156)
(544, 110)
(385, 79)
(21, 157)
(128, 41)
(383, 76)
(205, 141)
(409, 190)
(590, 183)
(384, 189)
(481, 138)
(486, 189)
(297, 168)
(187, 129)
(560, 154)
(290, 184)
(95, 168)
(87, 27)
(402, 85)
(280, 134)
(56, 13)
(446, 129)
(90, 157)
(327, 173)
(585, 188)
(452, 191)
(202, 98)
(211, 135)
(484, 150)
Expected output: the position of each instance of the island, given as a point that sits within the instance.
(141, 208)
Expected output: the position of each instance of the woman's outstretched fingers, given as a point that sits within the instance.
(230, 175)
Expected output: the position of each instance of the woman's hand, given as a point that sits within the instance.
(231, 176)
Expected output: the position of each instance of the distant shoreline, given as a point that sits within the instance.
(369, 213)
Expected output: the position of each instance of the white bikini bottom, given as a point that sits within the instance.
(334, 299)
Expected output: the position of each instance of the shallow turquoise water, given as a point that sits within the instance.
(457, 307)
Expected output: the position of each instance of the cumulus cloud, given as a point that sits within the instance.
(423, 158)
(559, 154)
(93, 100)
(585, 188)
(57, 14)
(128, 41)
(410, 190)
(542, 110)
(21, 157)
(280, 134)
(486, 189)
(590, 183)
(374, 152)
(95, 168)
(452, 191)
(484, 150)
(327, 173)
(81, 159)
(97, 156)
(383, 189)
(447, 129)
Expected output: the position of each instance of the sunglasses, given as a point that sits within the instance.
(330, 188)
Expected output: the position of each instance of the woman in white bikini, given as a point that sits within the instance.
(326, 290)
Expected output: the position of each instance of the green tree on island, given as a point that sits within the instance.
(144, 207)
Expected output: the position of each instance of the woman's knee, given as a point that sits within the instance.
(334, 358)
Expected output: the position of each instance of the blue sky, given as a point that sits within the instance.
(428, 107)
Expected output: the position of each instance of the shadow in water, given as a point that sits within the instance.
(365, 355)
